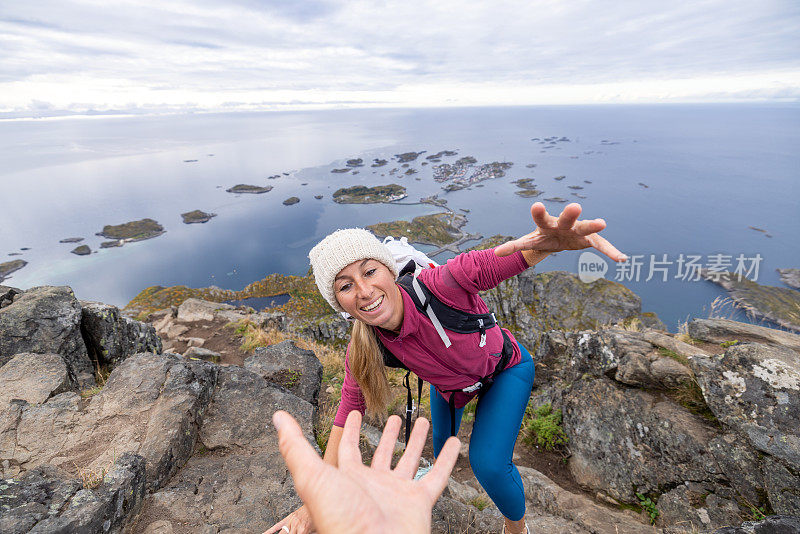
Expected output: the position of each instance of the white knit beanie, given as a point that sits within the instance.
(340, 249)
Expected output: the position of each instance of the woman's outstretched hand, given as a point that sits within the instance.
(563, 233)
(354, 498)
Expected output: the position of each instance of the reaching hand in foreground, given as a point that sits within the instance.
(564, 233)
(354, 498)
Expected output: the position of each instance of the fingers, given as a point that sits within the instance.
(437, 478)
(276, 528)
(382, 459)
(593, 226)
(541, 218)
(569, 215)
(349, 453)
(301, 459)
(407, 466)
(606, 248)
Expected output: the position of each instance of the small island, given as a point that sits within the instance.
(82, 250)
(291, 200)
(71, 240)
(247, 188)
(131, 231)
(360, 194)
(10, 266)
(441, 154)
(339, 171)
(358, 162)
(438, 229)
(197, 216)
(379, 162)
(408, 156)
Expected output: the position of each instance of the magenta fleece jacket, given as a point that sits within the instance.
(421, 349)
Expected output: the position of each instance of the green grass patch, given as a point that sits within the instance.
(680, 358)
(541, 427)
(649, 506)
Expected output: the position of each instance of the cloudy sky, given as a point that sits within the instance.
(60, 56)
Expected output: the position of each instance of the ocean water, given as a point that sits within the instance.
(711, 172)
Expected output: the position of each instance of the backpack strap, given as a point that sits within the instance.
(450, 318)
(390, 360)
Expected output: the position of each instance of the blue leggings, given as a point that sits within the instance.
(497, 422)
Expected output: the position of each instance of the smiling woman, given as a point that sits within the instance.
(356, 273)
(366, 290)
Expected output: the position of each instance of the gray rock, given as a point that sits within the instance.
(48, 501)
(783, 486)
(330, 327)
(691, 507)
(111, 337)
(721, 330)
(651, 369)
(625, 441)
(201, 310)
(238, 478)
(34, 378)
(545, 495)
(8, 294)
(776, 524)
(285, 363)
(151, 405)
(203, 354)
(449, 515)
(740, 464)
(755, 389)
(44, 320)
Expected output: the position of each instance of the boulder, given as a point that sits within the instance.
(530, 303)
(34, 378)
(740, 464)
(152, 406)
(449, 515)
(46, 320)
(285, 363)
(721, 330)
(545, 495)
(775, 524)
(651, 370)
(625, 441)
(237, 478)
(692, 506)
(755, 389)
(47, 500)
(783, 486)
(329, 327)
(8, 294)
(202, 310)
(111, 337)
(203, 354)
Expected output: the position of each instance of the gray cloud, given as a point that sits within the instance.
(140, 50)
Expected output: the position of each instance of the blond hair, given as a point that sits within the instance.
(366, 364)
